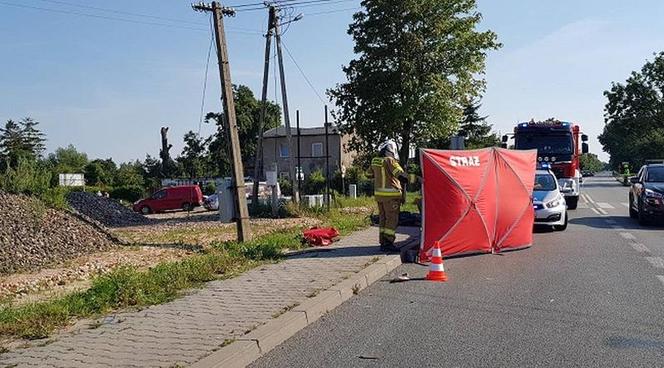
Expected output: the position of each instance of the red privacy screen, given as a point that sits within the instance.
(477, 201)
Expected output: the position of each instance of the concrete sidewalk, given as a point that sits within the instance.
(191, 328)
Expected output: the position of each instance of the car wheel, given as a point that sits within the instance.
(572, 202)
(563, 226)
(643, 218)
(146, 210)
(186, 207)
(632, 212)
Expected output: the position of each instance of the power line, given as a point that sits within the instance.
(119, 11)
(106, 17)
(303, 74)
(207, 67)
(300, 4)
(331, 11)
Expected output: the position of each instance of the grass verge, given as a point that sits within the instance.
(129, 287)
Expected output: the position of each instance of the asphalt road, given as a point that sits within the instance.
(592, 296)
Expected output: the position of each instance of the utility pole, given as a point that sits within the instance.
(242, 213)
(327, 162)
(258, 166)
(284, 96)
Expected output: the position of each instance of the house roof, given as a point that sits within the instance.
(280, 131)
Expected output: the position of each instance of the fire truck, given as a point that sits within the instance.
(558, 143)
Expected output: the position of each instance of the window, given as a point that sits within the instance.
(159, 195)
(283, 150)
(317, 149)
(544, 182)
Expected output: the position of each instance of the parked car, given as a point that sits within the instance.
(185, 197)
(646, 195)
(211, 202)
(548, 201)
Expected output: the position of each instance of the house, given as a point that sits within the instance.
(312, 150)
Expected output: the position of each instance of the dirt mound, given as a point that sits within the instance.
(32, 235)
(105, 211)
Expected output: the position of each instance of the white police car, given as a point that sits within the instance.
(549, 203)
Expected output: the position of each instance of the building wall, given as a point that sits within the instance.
(271, 153)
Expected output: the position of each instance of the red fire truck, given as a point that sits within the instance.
(559, 144)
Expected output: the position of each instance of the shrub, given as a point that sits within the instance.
(286, 187)
(210, 188)
(315, 183)
(130, 193)
(28, 177)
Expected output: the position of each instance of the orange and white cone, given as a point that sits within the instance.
(436, 270)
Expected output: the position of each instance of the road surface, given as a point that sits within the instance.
(592, 296)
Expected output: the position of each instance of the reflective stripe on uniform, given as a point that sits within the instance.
(377, 162)
(386, 193)
(389, 232)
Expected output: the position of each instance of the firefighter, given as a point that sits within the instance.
(388, 177)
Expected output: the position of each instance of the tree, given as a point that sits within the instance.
(68, 160)
(590, 162)
(100, 172)
(193, 160)
(476, 130)
(419, 60)
(130, 174)
(20, 140)
(634, 116)
(247, 111)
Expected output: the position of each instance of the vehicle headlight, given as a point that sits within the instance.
(554, 203)
(653, 194)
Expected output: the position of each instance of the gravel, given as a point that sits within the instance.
(33, 236)
(105, 211)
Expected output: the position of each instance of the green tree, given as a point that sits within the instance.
(476, 130)
(68, 160)
(418, 61)
(634, 114)
(590, 162)
(130, 174)
(20, 140)
(247, 111)
(100, 172)
(194, 160)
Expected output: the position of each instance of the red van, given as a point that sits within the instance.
(184, 197)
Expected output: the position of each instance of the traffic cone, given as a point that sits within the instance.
(436, 270)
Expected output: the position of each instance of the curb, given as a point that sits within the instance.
(248, 348)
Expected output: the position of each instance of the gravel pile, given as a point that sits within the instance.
(33, 236)
(105, 211)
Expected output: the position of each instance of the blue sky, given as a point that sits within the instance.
(107, 85)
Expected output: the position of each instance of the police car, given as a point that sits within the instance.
(548, 202)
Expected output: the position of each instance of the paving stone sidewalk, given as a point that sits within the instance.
(186, 330)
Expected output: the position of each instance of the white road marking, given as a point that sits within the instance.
(602, 212)
(605, 205)
(625, 204)
(661, 278)
(583, 205)
(594, 210)
(640, 248)
(656, 262)
(627, 236)
(589, 198)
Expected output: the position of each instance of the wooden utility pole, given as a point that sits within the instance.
(284, 96)
(242, 213)
(258, 163)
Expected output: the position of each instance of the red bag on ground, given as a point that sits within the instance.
(320, 236)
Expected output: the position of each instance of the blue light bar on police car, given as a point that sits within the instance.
(543, 166)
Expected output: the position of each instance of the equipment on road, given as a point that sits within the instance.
(560, 144)
(436, 269)
(477, 201)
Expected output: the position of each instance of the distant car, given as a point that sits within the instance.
(211, 203)
(185, 197)
(587, 173)
(548, 202)
(646, 195)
